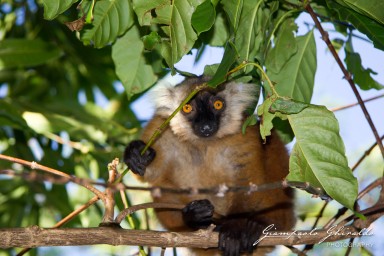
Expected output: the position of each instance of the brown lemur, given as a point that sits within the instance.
(204, 147)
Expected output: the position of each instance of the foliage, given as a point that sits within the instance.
(61, 103)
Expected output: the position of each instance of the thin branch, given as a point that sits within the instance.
(109, 203)
(366, 153)
(356, 104)
(347, 75)
(219, 191)
(36, 166)
(135, 208)
(370, 187)
(309, 247)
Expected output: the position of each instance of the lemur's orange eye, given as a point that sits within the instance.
(187, 108)
(218, 104)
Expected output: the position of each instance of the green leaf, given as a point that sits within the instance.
(266, 116)
(371, 28)
(233, 10)
(47, 123)
(16, 53)
(111, 19)
(287, 106)
(174, 18)
(299, 169)
(372, 8)
(285, 47)
(151, 41)
(244, 16)
(219, 34)
(284, 130)
(319, 154)
(361, 76)
(296, 78)
(148, 11)
(131, 68)
(204, 17)
(249, 121)
(54, 8)
(229, 58)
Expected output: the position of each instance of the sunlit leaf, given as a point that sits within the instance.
(285, 48)
(244, 19)
(131, 67)
(111, 19)
(371, 28)
(372, 8)
(174, 18)
(319, 154)
(296, 78)
(287, 106)
(229, 58)
(266, 117)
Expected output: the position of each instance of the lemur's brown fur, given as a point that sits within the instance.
(184, 160)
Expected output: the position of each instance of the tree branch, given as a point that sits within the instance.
(37, 237)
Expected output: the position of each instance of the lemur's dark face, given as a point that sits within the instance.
(204, 112)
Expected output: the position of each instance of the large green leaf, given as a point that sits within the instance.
(131, 67)
(296, 78)
(245, 16)
(319, 154)
(219, 34)
(204, 17)
(371, 28)
(229, 58)
(54, 8)
(174, 18)
(372, 8)
(26, 53)
(111, 19)
(233, 10)
(148, 12)
(285, 47)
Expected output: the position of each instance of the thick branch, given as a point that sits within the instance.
(37, 237)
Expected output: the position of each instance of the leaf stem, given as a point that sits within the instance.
(264, 75)
(166, 122)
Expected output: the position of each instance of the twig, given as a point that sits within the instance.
(347, 75)
(36, 166)
(166, 122)
(220, 190)
(370, 187)
(109, 193)
(319, 215)
(366, 153)
(356, 104)
(135, 208)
